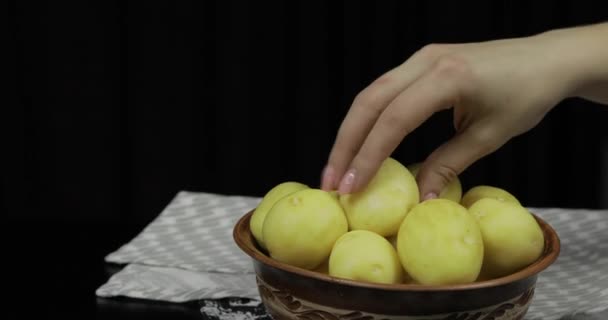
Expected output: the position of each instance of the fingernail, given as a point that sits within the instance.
(328, 178)
(429, 196)
(347, 183)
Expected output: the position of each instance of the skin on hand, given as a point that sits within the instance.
(497, 90)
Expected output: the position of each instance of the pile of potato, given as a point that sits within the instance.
(384, 234)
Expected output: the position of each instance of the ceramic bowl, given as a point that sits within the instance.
(293, 293)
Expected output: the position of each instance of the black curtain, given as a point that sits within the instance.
(114, 106)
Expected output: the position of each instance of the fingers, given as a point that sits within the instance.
(365, 111)
(430, 93)
(454, 156)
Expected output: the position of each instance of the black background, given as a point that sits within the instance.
(113, 106)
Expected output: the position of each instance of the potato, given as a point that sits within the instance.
(383, 204)
(439, 243)
(480, 192)
(512, 237)
(453, 191)
(301, 228)
(274, 195)
(365, 256)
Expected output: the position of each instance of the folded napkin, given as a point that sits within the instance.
(187, 253)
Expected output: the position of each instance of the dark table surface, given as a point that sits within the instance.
(55, 267)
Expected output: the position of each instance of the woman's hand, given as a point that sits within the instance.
(497, 89)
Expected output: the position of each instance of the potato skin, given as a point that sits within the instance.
(270, 199)
(301, 228)
(365, 256)
(480, 192)
(439, 243)
(512, 237)
(386, 200)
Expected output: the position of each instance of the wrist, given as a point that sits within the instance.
(577, 58)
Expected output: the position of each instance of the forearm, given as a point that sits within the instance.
(597, 93)
(581, 54)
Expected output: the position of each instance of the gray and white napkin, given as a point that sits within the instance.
(187, 253)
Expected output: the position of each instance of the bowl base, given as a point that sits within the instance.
(282, 305)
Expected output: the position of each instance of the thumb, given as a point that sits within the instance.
(453, 157)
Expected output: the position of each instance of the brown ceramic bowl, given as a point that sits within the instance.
(293, 293)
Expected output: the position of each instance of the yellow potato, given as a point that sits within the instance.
(274, 195)
(512, 237)
(365, 256)
(453, 191)
(302, 228)
(383, 204)
(479, 192)
(439, 243)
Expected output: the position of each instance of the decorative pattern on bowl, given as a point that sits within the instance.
(283, 305)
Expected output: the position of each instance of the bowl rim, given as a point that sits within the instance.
(550, 253)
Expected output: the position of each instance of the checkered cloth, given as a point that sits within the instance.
(187, 253)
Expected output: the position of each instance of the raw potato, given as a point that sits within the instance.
(439, 243)
(512, 237)
(365, 256)
(274, 195)
(453, 191)
(385, 201)
(480, 192)
(302, 228)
